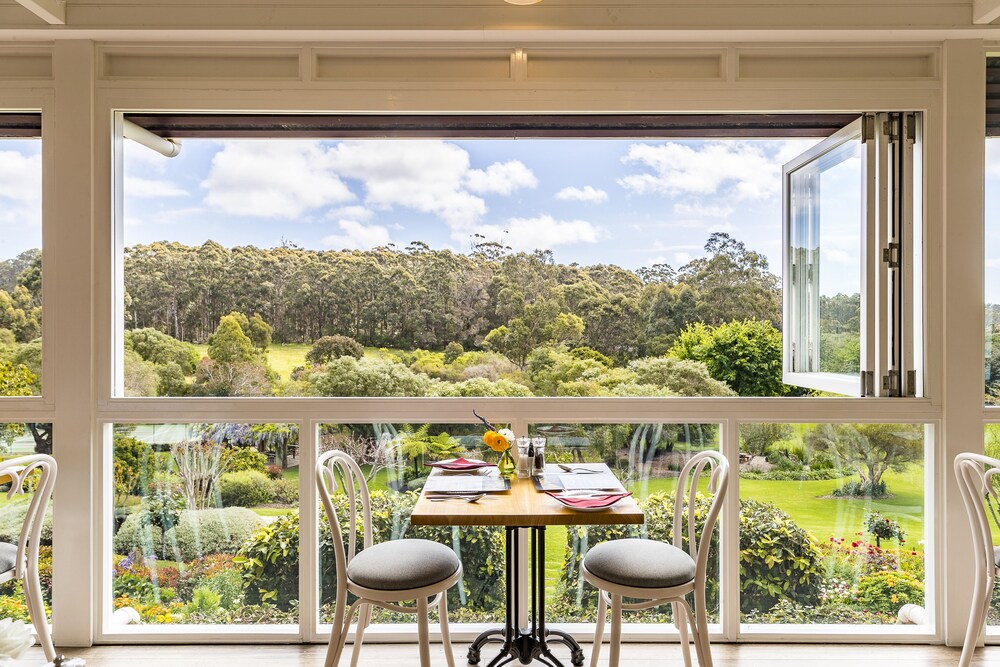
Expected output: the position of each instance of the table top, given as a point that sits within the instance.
(521, 506)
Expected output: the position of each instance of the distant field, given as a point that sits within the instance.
(282, 358)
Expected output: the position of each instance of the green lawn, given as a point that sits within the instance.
(281, 357)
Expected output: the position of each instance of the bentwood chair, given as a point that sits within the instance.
(655, 573)
(976, 474)
(20, 561)
(383, 574)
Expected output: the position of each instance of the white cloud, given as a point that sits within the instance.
(272, 179)
(20, 188)
(837, 256)
(427, 176)
(136, 186)
(738, 169)
(543, 231)
(137, 155)
(358, 236)
(682, 258)
(360, 213)
(586, 194)
(993, 263)
(993, 158)
(703, 210)
(500, 178)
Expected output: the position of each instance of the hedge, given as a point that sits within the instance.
(198, 533)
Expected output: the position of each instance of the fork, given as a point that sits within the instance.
(468, 499)
(582, 471)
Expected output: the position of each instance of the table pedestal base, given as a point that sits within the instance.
(525, 645)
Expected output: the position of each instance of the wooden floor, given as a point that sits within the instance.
(633, 655)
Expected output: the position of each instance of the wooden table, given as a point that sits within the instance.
(522, 507)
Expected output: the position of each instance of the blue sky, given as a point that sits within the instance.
(629, 202)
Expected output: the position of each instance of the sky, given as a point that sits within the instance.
(633, 203)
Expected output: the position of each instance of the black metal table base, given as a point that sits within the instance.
(530, 644)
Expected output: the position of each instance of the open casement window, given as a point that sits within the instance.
(849, 261)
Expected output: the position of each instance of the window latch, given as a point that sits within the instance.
(890, 255)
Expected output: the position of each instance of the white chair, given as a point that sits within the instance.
(655, 573)
(975, 474)
(383, 574)
(20, 561)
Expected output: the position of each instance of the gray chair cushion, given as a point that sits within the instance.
(402, 564)
(8, 556)
(640, 563)
(996, 556)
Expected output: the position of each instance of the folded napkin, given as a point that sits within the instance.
(596, 501)
(459, 464)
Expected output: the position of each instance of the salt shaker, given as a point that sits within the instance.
(539, 459)
(524, 460)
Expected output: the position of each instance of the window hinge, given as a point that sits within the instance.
(793, 357)
(890, 255)
(867, 127)
(890, 384)
(867, 383)
(911, 383)
(911, 127)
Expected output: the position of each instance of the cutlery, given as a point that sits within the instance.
(567, 468)
(468, 499)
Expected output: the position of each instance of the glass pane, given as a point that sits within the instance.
(17, 439)
(992, 449)
(392, 457)
(831, 522)
(20, 267)
(462, 268)
(826, 222)
(992, 213)
(647, 458)
(206, 524)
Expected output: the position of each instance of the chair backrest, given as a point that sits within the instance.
(338, 471)
(17, 471)
(716, 467)
(975, 474)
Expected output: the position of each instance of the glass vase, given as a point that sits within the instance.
(506, 465)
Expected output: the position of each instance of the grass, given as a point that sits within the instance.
(282, 358)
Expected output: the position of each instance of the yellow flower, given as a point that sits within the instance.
(495, 441)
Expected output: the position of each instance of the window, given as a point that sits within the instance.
(20, 255)
(850, 253)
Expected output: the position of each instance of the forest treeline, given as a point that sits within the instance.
(418, 297)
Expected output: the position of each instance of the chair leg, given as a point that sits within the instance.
(338, 633)
(977, 618)
(614, 653)
(423, 636)
(602, 619)
(364, 618)
(36, 607)
(449, 655)
(700, 630)
(681, 622)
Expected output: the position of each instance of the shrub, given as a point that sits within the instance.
(453, 351)
(171, 380)
(328, 348)
(15, 607)
(860, 489)
(237, 459)
(159, 348)
(162, 509)
(137, 461)
(246, 488)
(886, 592)
(273, 471)
(787, 611)
(12, 516)
(286, 491)
(591, 353)
(778, 559)
(228, 585)
(198, 533)
(884, 528)
(370, 377)
(755, 438)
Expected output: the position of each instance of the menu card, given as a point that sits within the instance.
(557, 479)
(481, 481)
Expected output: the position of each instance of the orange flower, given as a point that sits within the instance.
(495, 441)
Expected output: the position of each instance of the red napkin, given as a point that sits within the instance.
(589, 502)
(460, 464)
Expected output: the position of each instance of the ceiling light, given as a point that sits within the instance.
(522, 2)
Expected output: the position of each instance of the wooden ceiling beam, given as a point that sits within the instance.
(50, 11)
(985, 11)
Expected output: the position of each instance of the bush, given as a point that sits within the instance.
(269, 561)
(787, 611)
(137, 462)
(159, 348)
(858, 489)
(246, 488)
(329, 348)
(591, 353)
(238, 459)
(273, 471)
(12, 516)
(370, 377)
(286, 491)
(453, 351)
(171, 380)
(886, 592)
(778, 559)
(198, 533)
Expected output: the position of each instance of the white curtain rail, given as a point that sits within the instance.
(140, 135)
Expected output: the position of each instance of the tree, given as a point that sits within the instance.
(871, 448)
(259, 332)
(756, 438)
(229, 344)
(732, 283)
(141, 378)
(160, 348)
(745, 355)
(15, 380)
(333, 347)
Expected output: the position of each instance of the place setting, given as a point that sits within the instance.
(586, 487)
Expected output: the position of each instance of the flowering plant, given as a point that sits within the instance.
(499, 440)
